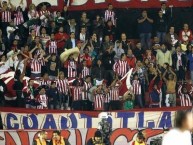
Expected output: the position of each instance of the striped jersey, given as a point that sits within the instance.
(36, 65)
(6, 16)
(185, 98)
(51, 47)
(86, 87)
(85, 72)
(110, 15)
(136, 87)
(18, 18)
(114, 94)
(62, 85)
(121, 67)
(98, 101)
(76, 93)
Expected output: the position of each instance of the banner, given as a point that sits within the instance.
(122, 136)
(103, 4)
(133, 120)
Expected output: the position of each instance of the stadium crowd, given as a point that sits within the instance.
(32, 48)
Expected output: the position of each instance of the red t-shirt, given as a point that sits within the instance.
(58, 38)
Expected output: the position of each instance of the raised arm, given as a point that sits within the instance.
(164, 76)
(141, 20)
(180, 90)
(175, 78)
(12, 6)
(150, 20)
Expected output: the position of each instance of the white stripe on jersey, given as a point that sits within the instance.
(87, 87)
(85, 72)
(99, 101)
(121, 67)
(36, 65)
(6, 16)
(18, 18)
(62, 86)
(136, 87)
(76, 93)
(72, 69)
(52, 47)
(114, 93)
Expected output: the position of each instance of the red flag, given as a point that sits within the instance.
(125, 83)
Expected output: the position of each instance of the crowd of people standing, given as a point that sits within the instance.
(32, 47)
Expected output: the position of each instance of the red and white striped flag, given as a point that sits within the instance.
(126, 83)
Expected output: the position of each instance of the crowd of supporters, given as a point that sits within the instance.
(32, 47)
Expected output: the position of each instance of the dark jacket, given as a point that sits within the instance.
(68, 31)
(3, 85)
(98, 72)
(175, 58)
(68, 44)
(65, 140)
(108, 60)
(110, 31)
(138, 53)
(53, 95)
(161, 24)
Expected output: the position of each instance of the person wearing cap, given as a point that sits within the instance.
(140, 139)
(41, 140)
(96, 140)
(58, 139)
(181, 134)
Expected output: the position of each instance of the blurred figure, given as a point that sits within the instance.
(140, 139)
(57, 139)
(145, 30)
(41, 140)
(96, 140)
(185, 35)
(110, 15)
(181, 134)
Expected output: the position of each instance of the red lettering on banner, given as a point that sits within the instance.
(78, 137)
(151, 133)
(65, 133)
(90, 133)
(24, 137)
(9, 140)
(128, 133)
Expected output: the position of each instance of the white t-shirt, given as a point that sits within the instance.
(177, 137)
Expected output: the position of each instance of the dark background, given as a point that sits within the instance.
(127, 19)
